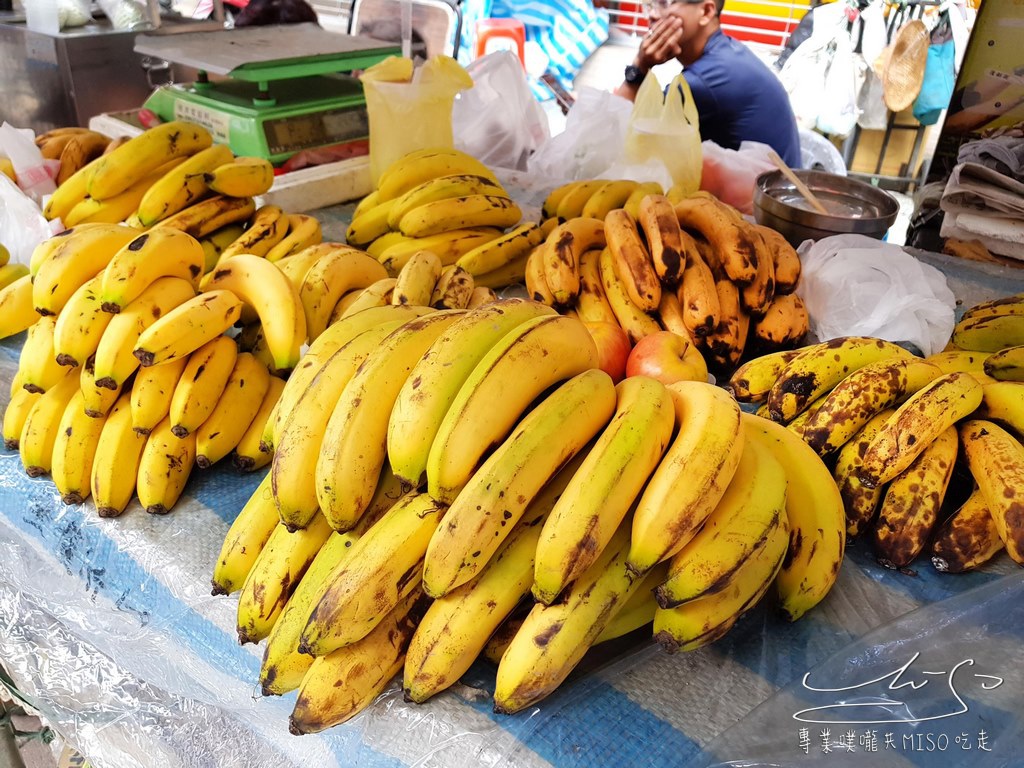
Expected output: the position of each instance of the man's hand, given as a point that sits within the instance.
(662, 43)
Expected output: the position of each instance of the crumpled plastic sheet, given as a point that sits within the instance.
(108, 628)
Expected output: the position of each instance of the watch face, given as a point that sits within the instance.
(634, 76)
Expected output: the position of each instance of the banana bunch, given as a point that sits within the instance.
(74, 148)
(468, 460)
(626, 254)
(895, 428)
(446, 202)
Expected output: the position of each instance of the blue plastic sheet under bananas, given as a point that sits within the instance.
(108, 627)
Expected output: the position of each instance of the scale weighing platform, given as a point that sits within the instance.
(280, 89)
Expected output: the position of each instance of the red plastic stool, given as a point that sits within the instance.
(495, 29)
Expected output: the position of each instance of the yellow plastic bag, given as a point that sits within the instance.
(410, 110)
(665, 127)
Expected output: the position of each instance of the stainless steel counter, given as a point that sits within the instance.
(47, 81)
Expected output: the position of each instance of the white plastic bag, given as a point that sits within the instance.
(35, 174)
(730, 174)
(803, 77)
(854, 285)
(844, 78)
(592, 142)
(22, 225)
(497, 120)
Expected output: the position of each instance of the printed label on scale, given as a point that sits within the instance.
(217, 123)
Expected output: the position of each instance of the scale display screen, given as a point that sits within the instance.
(292, 134)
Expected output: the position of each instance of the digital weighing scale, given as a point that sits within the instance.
(283, 90)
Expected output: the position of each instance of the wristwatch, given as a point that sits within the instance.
(634, 75)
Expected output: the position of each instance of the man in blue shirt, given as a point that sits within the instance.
(738, 98)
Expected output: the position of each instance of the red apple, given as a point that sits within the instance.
(667, 357)
(612, 347)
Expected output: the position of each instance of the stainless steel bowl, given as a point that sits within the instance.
(856, 207)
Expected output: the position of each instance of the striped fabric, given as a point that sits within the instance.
(567, 31)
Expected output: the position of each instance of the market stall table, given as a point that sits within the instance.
(109, 629)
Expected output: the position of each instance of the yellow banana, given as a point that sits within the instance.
(722, 227)
(417, 280)
(385, 241)
(80, 325)
(633, 320)
(377, 294)
(669, 246)
(609, 196)
(460, 213)
(11, 272)
(354, 444)
(496, 497)
(329, 342)
(499, 390)
(434, 382)
(967, 539)
(1003, 402)
(39, 431)
(576, 198)
(553, 638)
(692, 478)
(996, 460)
(298, 264)
(480, 297)
(453, 289)
(164, 468)
(561, 252)
(116, 209)
(70, 193)
(632, 261)
(201, 385)
(208, 215)
(912, 502)
(739, 527)
(859, 501)
(916, 424)
(187, 327)
(114, 359)
(37, 363)
(283, 666)
(819, 368)
(268, 227)
(98, 400)
(694, 624)
(502, 250)
(115, 172)
(752, 381)
(115, 465)
(275, 575)
(814, 510)
(382, 569)
(302, 433)
(638, 610)
(990, 333)
(243, 177)
(456, 627)
(181, 186)
(74, 451)
(698, 296)
(215, 243)
(555, 197)
(80, 256)
(146, 259)
(303, 231)
(612, 477)
(243, 394)
(536, 279)
(441, 188)
(592, 302)
(1007, 364)
(15, 413)
(265, 288)
(328, 279)
(151, 394)
(449, 247)
(245, 539)
(418, 167)
(368, 226)
(860, 396)
(17, 312)
(248, 454)
(632, 204)
(342, 684)
(513, 273)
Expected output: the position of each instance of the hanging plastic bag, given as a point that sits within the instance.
(939, 80)
(854, 285)
(497, 120)
(730, 174)
(844, 78)
(665, 127)
(410, 110)
(803, 77)
(592, 141)
(872, 112)
(22, 225)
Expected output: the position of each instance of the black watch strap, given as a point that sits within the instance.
(634, 75)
